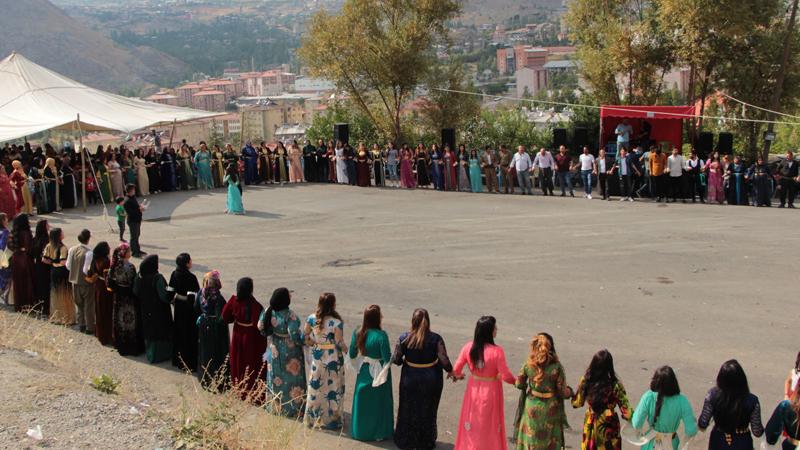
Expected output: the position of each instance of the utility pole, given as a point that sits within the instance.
(775, 103)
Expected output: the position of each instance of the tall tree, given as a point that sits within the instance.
(442, 108)
(377, 51)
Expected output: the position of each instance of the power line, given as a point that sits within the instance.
(758, 107)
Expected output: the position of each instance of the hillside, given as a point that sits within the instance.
(48, 36)
(497, 11)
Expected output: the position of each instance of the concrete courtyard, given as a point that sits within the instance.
(686, 285)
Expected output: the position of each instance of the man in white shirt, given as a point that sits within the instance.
(544, 162)
(623, 132)
(694, 167)
(523, 165)
(79, 259)
(675, 164)
(586, 160)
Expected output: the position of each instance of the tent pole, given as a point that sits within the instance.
(172, 132)
(83, 164)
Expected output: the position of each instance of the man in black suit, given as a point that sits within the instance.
(134, 212)
(787, 180)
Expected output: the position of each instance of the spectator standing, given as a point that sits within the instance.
(602, 168)
(625, 169)
(544, 162)
(587, 163)
(658, 165)
(787, 180)
(694, 169)
(623, 132)
(133, 210)
(505, 170)
(79, 260)
(489, 167)
(675, 164)
(563, 171)
(523, 165)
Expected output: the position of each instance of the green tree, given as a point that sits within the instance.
(508, 127)
(377, 51)
(361, 129)
(442, 109)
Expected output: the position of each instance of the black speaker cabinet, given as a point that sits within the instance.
(559, 137)
(449, 138)
(704, 144)
(725, 143)
(341, 132)
(580, 138)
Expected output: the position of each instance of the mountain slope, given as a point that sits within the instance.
(46, 35)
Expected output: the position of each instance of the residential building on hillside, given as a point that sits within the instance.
(164, 98)
(209, 100)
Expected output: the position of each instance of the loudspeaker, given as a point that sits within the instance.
(341, 132)
(449, 138)
(559, 137)
(725, 143)
(704, 144)
(580, 138)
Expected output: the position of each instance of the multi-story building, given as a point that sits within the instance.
(209, 100)
(164, 98)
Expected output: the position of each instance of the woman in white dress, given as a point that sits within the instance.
(341, 164)
(115, 173)
(141, 173)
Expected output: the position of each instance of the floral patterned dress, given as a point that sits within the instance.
(601, 428)
(542, 421)
(326, 383)
(286, 373)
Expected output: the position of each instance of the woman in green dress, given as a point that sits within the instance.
(202, 160)
(373, 410)
(663, 407)
(185, 169)
(286, 372)
(541, 424)
(103, 179)
(151, 289)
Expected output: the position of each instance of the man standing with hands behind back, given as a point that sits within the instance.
(134, 211)
(79, 259)
(523, 165)
(488, 164)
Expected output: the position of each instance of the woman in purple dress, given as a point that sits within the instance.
(406, 172)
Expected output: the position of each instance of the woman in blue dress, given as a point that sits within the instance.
(202, 159)
(235, 205)
(5, 272)
(475, 171)
(437, 167)
(286, 372)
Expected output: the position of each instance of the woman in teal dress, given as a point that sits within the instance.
(202, 159)
(286, 372)
(235, 205)
(373, 410)
(663, 408)
(475, 178)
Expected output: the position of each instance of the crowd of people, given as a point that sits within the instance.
(300, 364)
(46, 179)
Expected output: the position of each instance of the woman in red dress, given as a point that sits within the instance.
(247, 345)
(8, 204)
(19, 180)
(362, 166)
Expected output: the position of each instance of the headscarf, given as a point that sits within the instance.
(211, 287)
(149, 266)
(280, 300)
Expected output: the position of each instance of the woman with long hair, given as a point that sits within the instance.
(715, 172)
(181, 291)
(127, 322)
(406, 168)
(247, 345)
(450, 163)
(281, 169)
(115, 173)
(663, 408)
(202, 160)
(542, 379)
(423, 356)
(378, 168)
(217, 166)
(482, 421)
(234, 202)
(150, 288)
(362, 166)
(790, 385)
(62, 306)
(186, 169)
(324, 334)
(475, 179)
(103, 299)
(142, 178)
(785, 421)
(41, 271)
(330, 155)
(212, 331)
(421, 167)
(373, 409)
(286, 371)
(735, 411)
(295, 163)
(604, 394)
(19, 179)
(340, 157)
(462, 170)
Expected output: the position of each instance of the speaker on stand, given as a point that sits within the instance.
(559, 137)
(725, 143)
(341, 132)
(449, 138)
(704, 144)
(580, 138)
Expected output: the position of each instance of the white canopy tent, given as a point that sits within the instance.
(35, 99)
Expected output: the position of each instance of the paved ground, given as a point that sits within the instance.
(686, 285)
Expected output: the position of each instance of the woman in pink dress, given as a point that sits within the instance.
(482, 422)
(295, 166)
(714, 181)
(406, 171)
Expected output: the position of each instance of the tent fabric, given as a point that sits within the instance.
(35, 99)
(666, 122)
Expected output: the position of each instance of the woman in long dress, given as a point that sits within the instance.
(421, 167)
(103, 178)
(423, 355)
(280, 163)
(127, 323)
(21, 263)
(234, 183)
(462, 161)
(41, 271)
(142, 178)
(542, 380)
(362, 166)
(341, 164)
(52, 183)
(185, 171)
(8, 203)
(715, 171)
(735, 411)
(475, 172)
(295, 164)
(168, 170)
(212, 331)
(150, 288)
(62, 305)
(217, 167)
(378, 172)
(103, 298)
(5, 267)
(437, 168)
(202, 159)
(324, 334)
(330, 155)
(115, 173)
(181, 291)
(20, 181)
(406, 170)
(286, 372)
(247, 345)
(68, 189)
(153, 171)
(264, 164)
(373, 409)
(450, 163)
(603, 394)
(663, 408)
(482, 421)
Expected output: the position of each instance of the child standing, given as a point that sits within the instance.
(121, 215)
(91, 188)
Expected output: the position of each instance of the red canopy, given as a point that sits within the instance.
(666, 122)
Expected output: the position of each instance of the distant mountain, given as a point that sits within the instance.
(48, 36)
(498, 11)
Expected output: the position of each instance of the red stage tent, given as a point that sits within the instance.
(666, 122)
